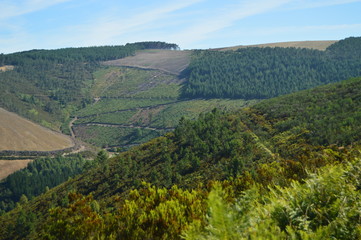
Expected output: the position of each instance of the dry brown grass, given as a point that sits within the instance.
(319, 45)
(6, 68)
(166, 60)
(20, 134)
(7, 167)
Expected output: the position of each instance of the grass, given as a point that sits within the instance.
(166, 60)
(112, 136)
(128, 82)
(10, 166)
(20, 134)
(170, 115)
(113, 118)
(111, 105)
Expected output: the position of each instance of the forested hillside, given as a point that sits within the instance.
(116, 97)
(38, 177)
(258, 168)
(48, 85)
(258, 73)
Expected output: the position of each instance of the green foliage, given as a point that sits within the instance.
(325, 206)
(36, 177)
(57, 80)
(159, 213)
(258, 73)
(331, 114)
(265, 158)
(78, 220)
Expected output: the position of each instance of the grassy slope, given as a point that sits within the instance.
(269, 134)
(133, 105)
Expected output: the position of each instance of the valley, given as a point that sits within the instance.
(252, 142)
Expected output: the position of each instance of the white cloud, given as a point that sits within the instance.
(10, 9)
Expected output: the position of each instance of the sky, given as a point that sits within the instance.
(192, 24)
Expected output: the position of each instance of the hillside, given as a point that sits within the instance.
(279, 141)
(317, 45)
(20, 134)
(258, 73)
(10, 166)
(173, 62)
(119, 96)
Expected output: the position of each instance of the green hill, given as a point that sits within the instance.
(115, 97)
(278, 142)
(257, 73)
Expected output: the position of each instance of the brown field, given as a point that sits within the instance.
(166, 60)
(20, 134)
(6, 68)
(7, 167)
(319, 45)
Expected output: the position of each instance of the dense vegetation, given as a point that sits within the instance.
(261, 162)
(38, 177)
(134, 105)
(257, 73)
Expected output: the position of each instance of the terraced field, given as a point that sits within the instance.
(137, 98)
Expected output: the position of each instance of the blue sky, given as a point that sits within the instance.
(50, 24)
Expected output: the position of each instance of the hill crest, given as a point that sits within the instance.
(318, 45)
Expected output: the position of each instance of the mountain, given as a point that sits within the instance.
(278, 142)
(116, 97)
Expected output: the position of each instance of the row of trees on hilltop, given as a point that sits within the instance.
(257, 73)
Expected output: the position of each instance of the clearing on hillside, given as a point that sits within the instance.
(20, 134)
(318, 45)
(6, 68)
(8, 167)
(170, 61)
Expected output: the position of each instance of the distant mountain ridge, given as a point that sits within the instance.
(318, 45)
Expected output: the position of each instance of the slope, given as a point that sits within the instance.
(258, 73)
(19, 134)
(274, 142)
(318, 45)
(173, 62)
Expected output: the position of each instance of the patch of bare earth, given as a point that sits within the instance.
(6, 68)
(8, 167)
(318, 45)
(20, 134)
(170, 61)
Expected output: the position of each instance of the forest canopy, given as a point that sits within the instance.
(258, 73)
